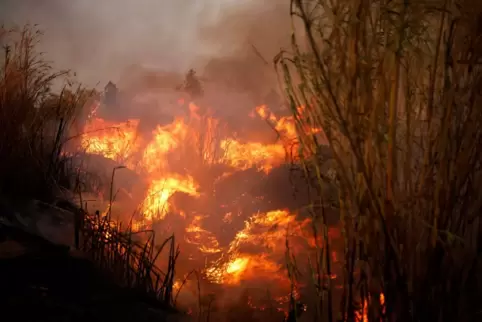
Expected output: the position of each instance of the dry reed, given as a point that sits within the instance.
(395, 85)
(35, 120)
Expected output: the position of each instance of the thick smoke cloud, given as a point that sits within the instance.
(101, 39)
(263, 24)
(247, 38)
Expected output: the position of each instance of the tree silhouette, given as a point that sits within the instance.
(192, 84)
(110, 92)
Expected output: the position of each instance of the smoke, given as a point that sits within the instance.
(246, 40)
(99, 40)
(230, 42)
(263, 24)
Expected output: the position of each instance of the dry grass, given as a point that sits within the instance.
(35, 120)
(130, 262)
(37, 125)
(129, 255)
(396, 86)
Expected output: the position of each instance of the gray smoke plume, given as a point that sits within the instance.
(100, 40)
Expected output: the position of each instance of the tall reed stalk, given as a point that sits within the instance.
(395, 85)
(35, 119)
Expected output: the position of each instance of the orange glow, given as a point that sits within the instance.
(258, 231)
(252, 154)
(115, 141)
(166, 139)
(244, 155)
(156, 204)
(174, 159)
(362, 314)
(204, 239)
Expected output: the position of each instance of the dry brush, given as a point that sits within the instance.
(395, 85)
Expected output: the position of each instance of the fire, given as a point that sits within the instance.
(246, 267)
(288, 129)
(238, 265)
(265, 157)
(176, 286)
(265, 230)
(173, 159)
(204, 239)
(246, 155)
(116, 141)
(362, 314)
(235, 268)
(166, 139)
(284, 125)
(156, 204)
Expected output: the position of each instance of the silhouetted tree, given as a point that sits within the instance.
(192, 84)
(110, 94)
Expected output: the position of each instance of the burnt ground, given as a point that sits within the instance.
(42, 281)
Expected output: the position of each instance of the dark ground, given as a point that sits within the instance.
(42, 281)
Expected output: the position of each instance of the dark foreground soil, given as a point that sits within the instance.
(41, 281)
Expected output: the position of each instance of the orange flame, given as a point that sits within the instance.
(199, 139)
(156, 204)
(115, 141)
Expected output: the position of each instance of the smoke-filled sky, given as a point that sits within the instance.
(98, 39)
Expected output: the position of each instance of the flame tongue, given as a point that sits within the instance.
(116, 141)
(176, 158)
(160, 190)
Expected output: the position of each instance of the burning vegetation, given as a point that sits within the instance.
(231, 242)
(356, 202)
